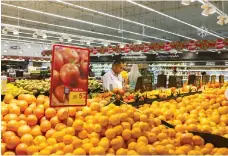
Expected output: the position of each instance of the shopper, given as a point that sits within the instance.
(133, 76)
(113, 79)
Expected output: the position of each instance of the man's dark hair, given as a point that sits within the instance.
(117, 62)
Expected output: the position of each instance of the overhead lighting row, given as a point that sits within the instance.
(7, 30)
(209, 9)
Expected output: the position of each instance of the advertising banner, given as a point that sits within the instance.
(69, 78)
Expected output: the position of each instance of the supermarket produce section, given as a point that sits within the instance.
(177, 125)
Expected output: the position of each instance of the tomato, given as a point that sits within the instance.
(58, 61)
(59, 93)
(84, 67)
(83, 54)
(55, 79)
(70, 55)
(82, 83)
(69, 74)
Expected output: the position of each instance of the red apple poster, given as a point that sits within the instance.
(69, 78)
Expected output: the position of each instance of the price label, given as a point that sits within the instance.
(77, 98)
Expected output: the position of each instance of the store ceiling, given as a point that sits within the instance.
(99, 34)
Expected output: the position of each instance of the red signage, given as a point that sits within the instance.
(69, 78)
(146, 47)
(167, 46)
(191, 45)
(220, 44)
(127, 48)
(110, 49)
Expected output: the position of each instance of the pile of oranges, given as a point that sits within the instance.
(31, 127)
(200, 112)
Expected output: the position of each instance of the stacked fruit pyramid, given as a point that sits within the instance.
(31, 127)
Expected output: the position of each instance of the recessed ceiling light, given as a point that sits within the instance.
(21, 51)
(5, 51)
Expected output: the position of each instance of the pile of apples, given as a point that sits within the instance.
(31, 127)
(206, 112)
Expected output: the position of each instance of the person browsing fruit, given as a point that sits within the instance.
(113, 79)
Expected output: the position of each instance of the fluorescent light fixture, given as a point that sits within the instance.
(44, 36)
(212, 10)
(69, 39)
(173, 18)
(220, 22)
(15, 32)
(205, 12)
(226, 20)
(185, 2)
(88, 42)
(73, 19)
(46, 48)
(5, 51)
(21, 51)
(5, 44)
(29, 46)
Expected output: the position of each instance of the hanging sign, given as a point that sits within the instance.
(191, 45)
(146, 47)
(220, 44)
(69, 78)
(127, 48)
(167, 46)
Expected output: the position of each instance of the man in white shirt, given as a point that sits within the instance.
(112, 79)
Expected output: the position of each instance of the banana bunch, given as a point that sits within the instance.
(14, 90)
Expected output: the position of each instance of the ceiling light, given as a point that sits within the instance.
(106, 44)
(5, 51)
(91, 23)
(29, 46)
(173, 18)
(34, 35)
(44, 36)
(219, 52)
(212, 10)
(69, 39)
(4, 31)
(121, 45)
(61, 39)
(5, 44)
(15, 32)
(185, 2)
(46, 48)
(226, 20)
(205, 12)
(88, 42)
(21, 51)
(205, 6)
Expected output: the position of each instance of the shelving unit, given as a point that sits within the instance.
(184, 68)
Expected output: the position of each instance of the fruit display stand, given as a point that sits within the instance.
(30, 126)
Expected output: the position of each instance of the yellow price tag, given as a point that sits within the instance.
(77, 98)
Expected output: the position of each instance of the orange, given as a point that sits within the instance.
(82, 134)
(126, 125)
(27, 139)
(132, 145)
(118, 129)
(54, 121)
(72, 111)
(110, 133)
(197, 140)
(121, 151)
(95, 106)
(51, 141)
(12, 142)
(7, 134)
(162, 136)
(68, 149)
(4, 110)
(50, 112)
(126, 134)
(68, 122)
(78, 125)
(24, 129)
(97, 128)
(77, 143)
(67, 139)
(136, 132)
(45, 126)
(36, 131)
(62, 113)
(79, 151)
(142, 139)
(13, 125)
(94, 141)
(31, 120)
(32, 149)
(87, 147)
(49, 133)
(143, 150)
(70, 131)
(8, 98)
(9, 117)
(161, 150)
(38, 112)
(114, 119)
(39, 139)
(22, 105)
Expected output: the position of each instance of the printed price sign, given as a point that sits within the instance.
(69, 78)
(77, 98)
